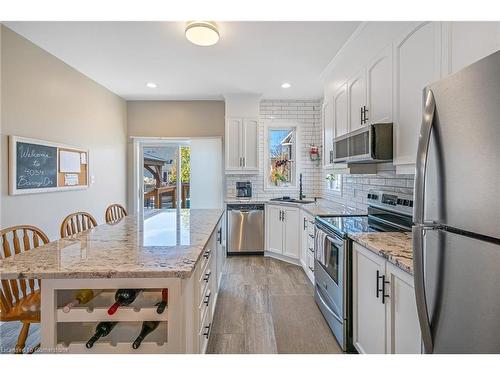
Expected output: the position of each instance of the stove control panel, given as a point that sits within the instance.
(391, 200)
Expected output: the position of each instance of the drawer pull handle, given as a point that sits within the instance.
(311, 235)
(312, 269)
(206, 300)
(311, 250)
(207, 254)
(207, 332)
(207, 276)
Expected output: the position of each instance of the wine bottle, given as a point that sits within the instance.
(82, 296)
(147, 328)
(161, 306)
(123, 297)
(102, 330)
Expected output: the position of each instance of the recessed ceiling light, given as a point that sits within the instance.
(151, 85)
(286, 85)
(202, 33)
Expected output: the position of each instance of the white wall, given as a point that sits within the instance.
(42, 97)
(206, 171)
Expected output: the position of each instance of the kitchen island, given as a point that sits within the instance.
(178, 250)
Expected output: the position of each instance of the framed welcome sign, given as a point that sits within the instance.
(37, 166)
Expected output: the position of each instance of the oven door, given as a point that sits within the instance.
(331, 278)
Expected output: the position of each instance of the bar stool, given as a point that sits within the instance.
(20, 298)
(114, 213)
(77, 222)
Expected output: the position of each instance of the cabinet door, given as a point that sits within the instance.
(416, 64)
(340, 111)
(328, 133)
(274, 226)
(220, 253)
(233, 143)
(250, 144)
(379, 87)
(357, 100)
(304, 233)
(369, 320)
(291, 235)
(403, 329)
(468, 42)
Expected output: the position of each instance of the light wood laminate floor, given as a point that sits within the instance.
(9, 331)
(264, 306)
(267, 306)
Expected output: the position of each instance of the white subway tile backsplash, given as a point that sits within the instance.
(307, 113)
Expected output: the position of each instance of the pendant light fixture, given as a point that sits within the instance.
(202, 33)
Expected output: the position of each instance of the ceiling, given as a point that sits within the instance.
(251, 57)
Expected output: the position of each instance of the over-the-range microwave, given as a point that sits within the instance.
(370, 144)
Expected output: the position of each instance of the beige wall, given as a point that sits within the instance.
(42, 97)
(175, 118)
(171, 118)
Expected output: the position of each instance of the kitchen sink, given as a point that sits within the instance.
(292, 200)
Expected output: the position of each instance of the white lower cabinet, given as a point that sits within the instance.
(307, 244)
(384, 309)
(403, 329)
(282, 234)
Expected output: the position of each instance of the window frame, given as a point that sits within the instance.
(279, 125)
(337, 190)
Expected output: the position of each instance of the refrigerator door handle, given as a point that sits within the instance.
(419, 282)
(429, 106)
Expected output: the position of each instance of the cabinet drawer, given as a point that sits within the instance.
(204, 332)
(206, 303)
(206, 257)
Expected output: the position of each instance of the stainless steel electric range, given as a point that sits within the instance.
(387, 212)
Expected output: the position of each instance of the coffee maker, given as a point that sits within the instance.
(243, 190)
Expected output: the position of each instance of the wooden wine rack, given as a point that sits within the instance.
(69, 331)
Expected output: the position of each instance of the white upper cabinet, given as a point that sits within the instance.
(357, 100)
(390, 83)
(242, 145)
(468, 42)
(233, 143)
(379, 87)
(328, 133)
(250, 144)
(417, 59)
(341, 112)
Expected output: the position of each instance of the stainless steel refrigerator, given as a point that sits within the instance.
(456, 236)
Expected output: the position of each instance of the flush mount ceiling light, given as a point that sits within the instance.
(202, 33)
(286, 85)
(151, 85)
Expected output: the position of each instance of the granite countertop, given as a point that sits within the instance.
(166, 243)
(396, 247)
(324, 207)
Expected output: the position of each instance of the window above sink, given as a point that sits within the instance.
(280, 156)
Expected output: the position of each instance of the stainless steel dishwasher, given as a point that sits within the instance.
(245, 229)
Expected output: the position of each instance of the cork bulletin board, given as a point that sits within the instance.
(37, 166)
